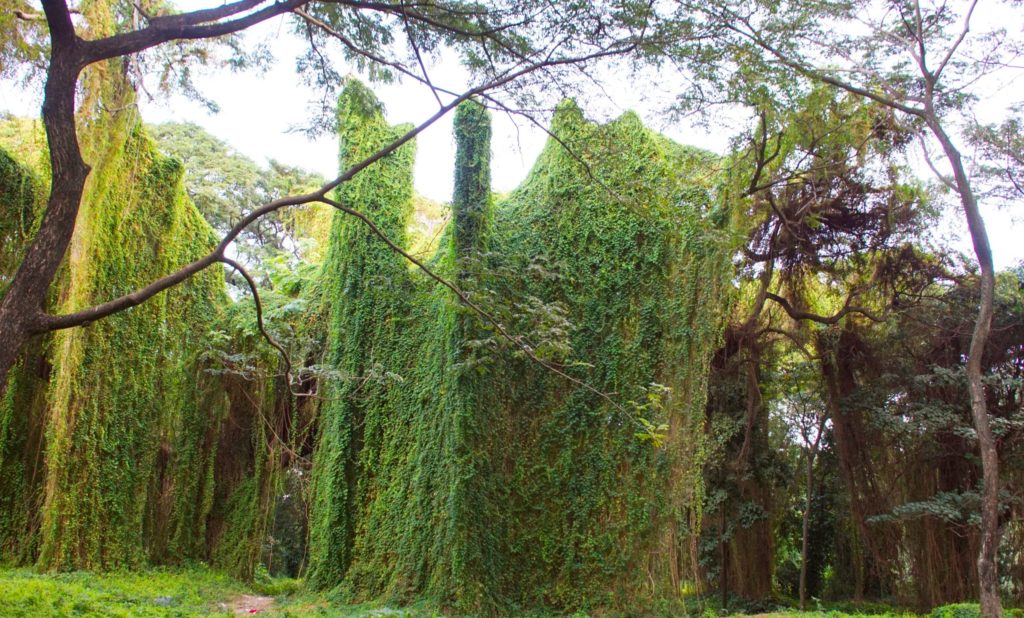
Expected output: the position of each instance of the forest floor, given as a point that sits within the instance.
(181, 593)
(199, 591)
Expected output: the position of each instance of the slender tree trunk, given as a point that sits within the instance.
(812, 455)
(988, 578)
(806, 530)
(724, 558)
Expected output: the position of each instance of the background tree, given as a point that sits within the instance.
(226, 186)
(802, 407)
(1000, 160)
(828, 207)
(922, 61)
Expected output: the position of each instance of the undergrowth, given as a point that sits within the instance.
(158, 592)
(202, 591)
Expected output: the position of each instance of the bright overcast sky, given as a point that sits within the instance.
(257, 111)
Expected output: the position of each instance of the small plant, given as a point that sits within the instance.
(653, 406)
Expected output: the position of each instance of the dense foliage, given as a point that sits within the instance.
(448, 465)
(422, 404)
(647, 374)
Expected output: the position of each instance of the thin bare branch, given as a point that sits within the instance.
(259, 317)
(419, 58)
(956, 44)
(931, 165)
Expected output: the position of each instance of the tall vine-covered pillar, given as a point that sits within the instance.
(363, 294)
(471, 196)
(23, 404)
(476, 536)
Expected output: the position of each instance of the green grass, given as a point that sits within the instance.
(157, 592)
(200, 591)
(181, 593)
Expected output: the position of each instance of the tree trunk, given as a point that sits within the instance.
(988, 579)
(22, 305)
(806, 530)
(10, 344)
(724, 556)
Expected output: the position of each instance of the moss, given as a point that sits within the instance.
(452, 471)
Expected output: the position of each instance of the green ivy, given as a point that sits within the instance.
(134, 419)
(451, 468)
(23, 406)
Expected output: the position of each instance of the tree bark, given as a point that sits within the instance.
(21, 309)
(988, 578)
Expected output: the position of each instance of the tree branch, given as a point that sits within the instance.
(259, 317)
(816, 74)
(371, 56)
(517, 341)
(202, 16)
(797, 314)
(58, 18)
(182, 27)
(419, 58)
(931, 165)
(956, 44)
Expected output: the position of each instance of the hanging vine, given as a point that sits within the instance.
(451, 467)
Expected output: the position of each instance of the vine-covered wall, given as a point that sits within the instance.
(153, 455)
(449, 466)
(23, 405)
(133, 418)
(452, 468)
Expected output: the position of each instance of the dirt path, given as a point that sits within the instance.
(250, 605)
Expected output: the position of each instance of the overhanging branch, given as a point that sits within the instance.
(798, 314)
(259, 317)
(189, 26)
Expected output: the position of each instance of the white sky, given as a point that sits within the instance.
(257, 111)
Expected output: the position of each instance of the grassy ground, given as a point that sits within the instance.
(190, 592)
(199, 591)
(178, 593)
